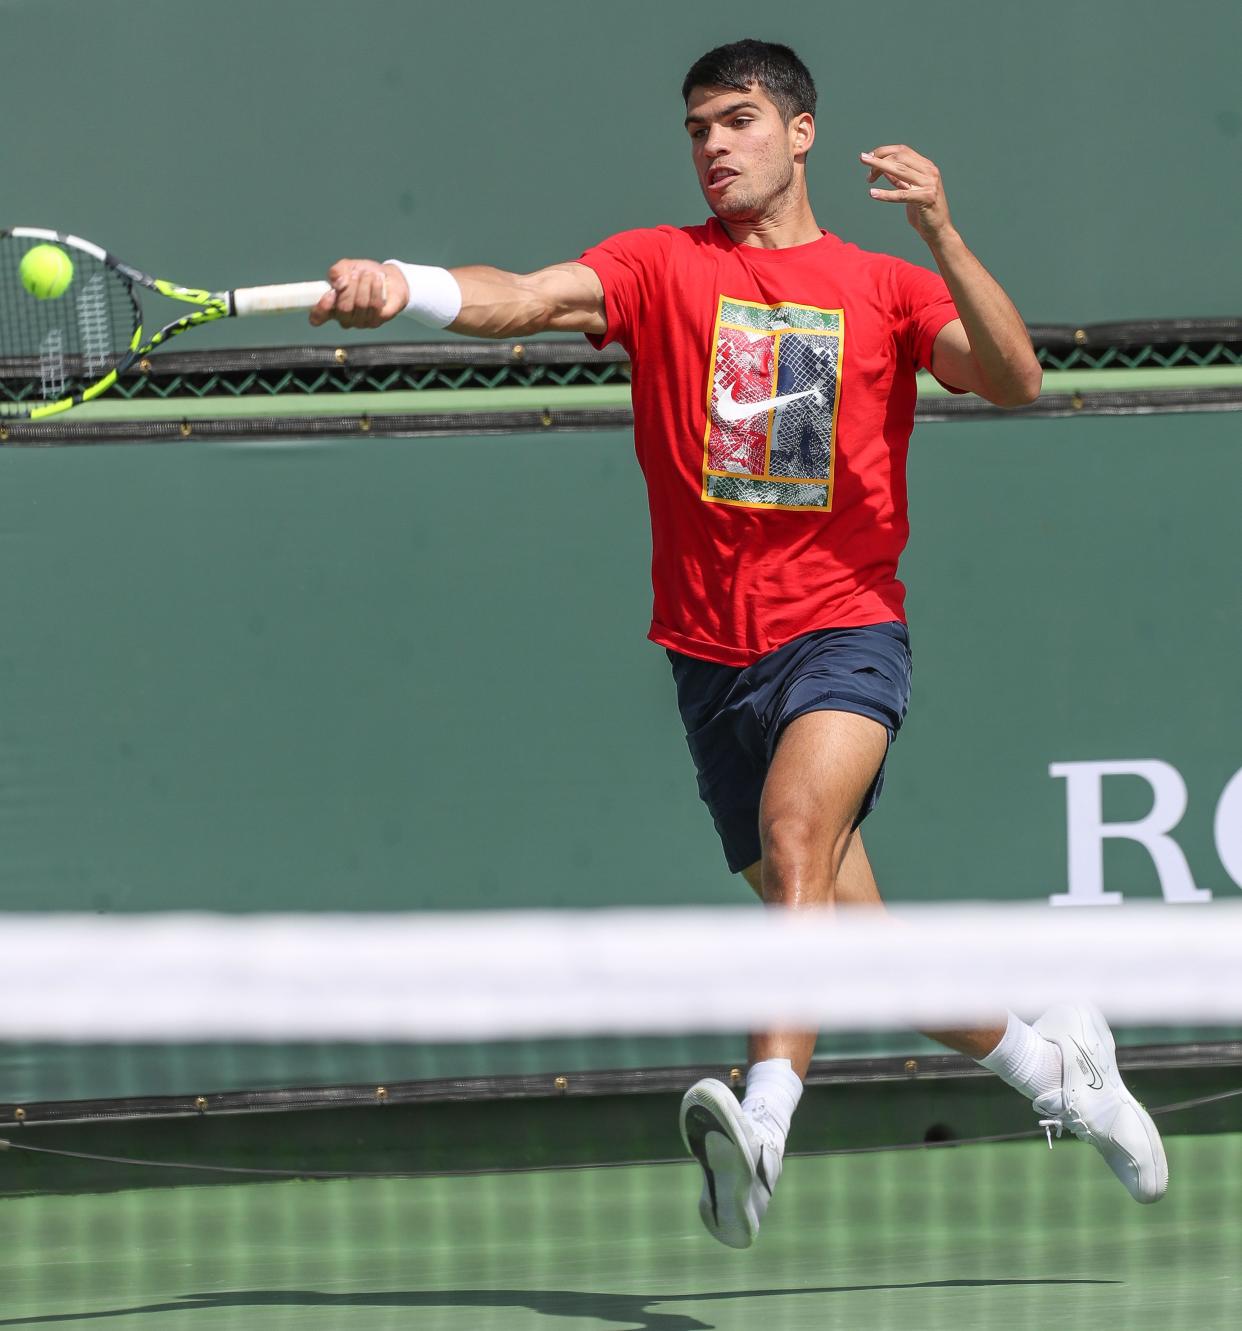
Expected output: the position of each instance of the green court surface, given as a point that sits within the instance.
(986, 1236)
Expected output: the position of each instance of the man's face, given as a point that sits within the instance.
(743, 151)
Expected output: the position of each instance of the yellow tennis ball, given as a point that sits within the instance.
(46, 271)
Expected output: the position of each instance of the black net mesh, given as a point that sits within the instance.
(395, 367)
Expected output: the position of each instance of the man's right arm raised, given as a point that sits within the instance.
(567, 297)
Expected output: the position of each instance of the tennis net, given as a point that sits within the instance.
(472, 1121)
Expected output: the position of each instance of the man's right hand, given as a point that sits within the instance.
(364, 294)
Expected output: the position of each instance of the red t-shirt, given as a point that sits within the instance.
(773, 402)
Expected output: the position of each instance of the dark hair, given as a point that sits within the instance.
(776, 69)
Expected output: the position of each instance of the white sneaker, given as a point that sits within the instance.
(1094, 1104)
(740, 1166)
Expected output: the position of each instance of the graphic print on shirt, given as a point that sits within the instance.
(772, 405)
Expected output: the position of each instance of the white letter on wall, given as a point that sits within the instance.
(1086, 830)
(1228, 828)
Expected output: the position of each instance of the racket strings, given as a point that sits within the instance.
(65, 343)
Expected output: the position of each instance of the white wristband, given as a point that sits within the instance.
(435, 297)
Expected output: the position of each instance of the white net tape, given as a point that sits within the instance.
(499, 976)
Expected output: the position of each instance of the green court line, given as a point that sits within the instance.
(423, 401)
(964, 1239)
(575, 397)
(1058, 382)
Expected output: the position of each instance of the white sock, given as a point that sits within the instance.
(1026, 1060)
(773, 1090)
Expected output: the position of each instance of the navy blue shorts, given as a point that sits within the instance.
(734, 716)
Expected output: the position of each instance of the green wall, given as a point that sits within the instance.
(392, 674)
(413, 673)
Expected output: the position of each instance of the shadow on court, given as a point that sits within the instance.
(626, 1310)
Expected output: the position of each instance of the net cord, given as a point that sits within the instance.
(7, 1144)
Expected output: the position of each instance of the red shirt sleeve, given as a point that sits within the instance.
(630, 265)
(922, 307)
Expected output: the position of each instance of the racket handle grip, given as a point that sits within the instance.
(278, 299)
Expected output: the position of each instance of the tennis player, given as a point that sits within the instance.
(774, 391)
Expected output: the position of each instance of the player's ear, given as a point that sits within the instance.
(802, 132)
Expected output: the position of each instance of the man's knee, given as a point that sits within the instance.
(799, 852)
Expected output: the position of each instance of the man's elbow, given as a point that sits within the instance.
(1021, 390)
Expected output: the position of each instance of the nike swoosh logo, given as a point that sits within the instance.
(1097, 1081)
(699, 1123)
(730, 410)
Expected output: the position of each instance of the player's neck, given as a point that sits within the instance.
(780, 229)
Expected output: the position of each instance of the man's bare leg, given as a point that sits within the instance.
(824, 765)
(856, 886)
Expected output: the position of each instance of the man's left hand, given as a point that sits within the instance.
(917, 184)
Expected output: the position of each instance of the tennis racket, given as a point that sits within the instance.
(76, 344)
